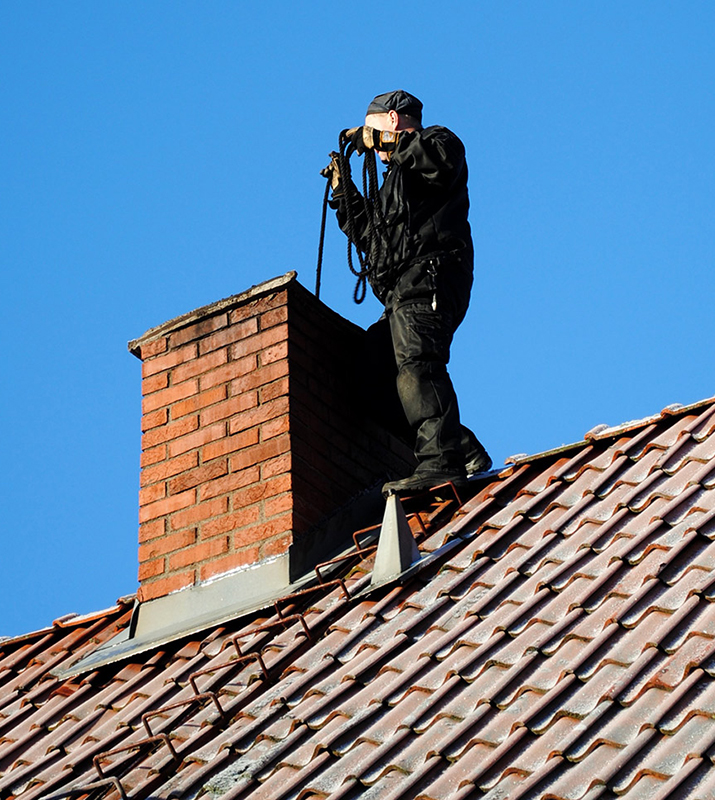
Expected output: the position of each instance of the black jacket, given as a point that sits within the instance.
(424, 200)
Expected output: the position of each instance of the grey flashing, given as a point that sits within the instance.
(234, 595)
(396, 548)
(189, 611)
(332, 535)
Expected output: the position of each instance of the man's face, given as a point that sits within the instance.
(382, 122)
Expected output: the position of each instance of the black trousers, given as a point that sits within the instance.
(410, 389)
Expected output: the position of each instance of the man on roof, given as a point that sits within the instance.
(419, 252)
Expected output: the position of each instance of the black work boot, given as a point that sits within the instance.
(423, 480)
(476, 458)
(477, 461)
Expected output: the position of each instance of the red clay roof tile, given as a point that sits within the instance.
(565, 647)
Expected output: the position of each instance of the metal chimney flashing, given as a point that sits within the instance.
(396, 549)
(236, 594)
(196, 608)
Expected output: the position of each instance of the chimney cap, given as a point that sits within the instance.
(184, 320)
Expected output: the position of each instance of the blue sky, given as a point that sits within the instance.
(158, 156)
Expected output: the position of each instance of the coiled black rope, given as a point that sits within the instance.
(376, 227)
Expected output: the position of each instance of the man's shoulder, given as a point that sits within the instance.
(438, 130)
(440, 133)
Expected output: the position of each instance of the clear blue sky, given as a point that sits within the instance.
(158, 156)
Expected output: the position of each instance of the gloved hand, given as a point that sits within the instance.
(356, 136)
(333, 172)
(367, 138)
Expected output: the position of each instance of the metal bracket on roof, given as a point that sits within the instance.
(105, 783)
(396, 548)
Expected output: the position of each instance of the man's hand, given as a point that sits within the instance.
(333, 172)
(367, 138)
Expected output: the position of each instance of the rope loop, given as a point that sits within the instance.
(376, 243)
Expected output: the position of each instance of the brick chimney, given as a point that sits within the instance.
(252, 436)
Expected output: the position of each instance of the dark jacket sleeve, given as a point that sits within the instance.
(434, 154)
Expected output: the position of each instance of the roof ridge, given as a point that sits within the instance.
(605, 431)
(69, 620)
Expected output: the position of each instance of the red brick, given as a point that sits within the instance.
(151, 494)
(248, 496)
(166, 397)
(198, 513)
(260, 491)
(150, 530)
(260, 377)
(154, 419)
(277, 505)
(310, 489)
(171, 359)
(228, 563)
(276, 466)
(230, 407)
(275, 353)
(230, 483)
(202, 328)
(200, 437)
(164, 586)
(200, 552)
(262, 452)
(308, 512)
(230, 445)
(232, 334)
(156, 382)
(262, 531)
(301, 524)
(150, 569)
(277, 546)
(171, 431)
(167, 506)
(281, 483)
(153, 456)
(228, 372)
(275, 427)
(275, 389)
(151, 349)
(259, 306)
(308, 396)
(305, 343)
(311, 423)
(258, 415)
(199, 366)
(274, 317)
(238, 519)
(199, 401)
(167, 469)
(259, 342)
(200, 476)
(166, 544)
(338, 469)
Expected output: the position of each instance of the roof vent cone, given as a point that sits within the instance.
(396, 549)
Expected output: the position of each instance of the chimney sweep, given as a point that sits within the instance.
(414, 246)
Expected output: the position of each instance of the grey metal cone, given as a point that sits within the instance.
(396, 548)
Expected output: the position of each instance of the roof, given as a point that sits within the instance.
(559, 643)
